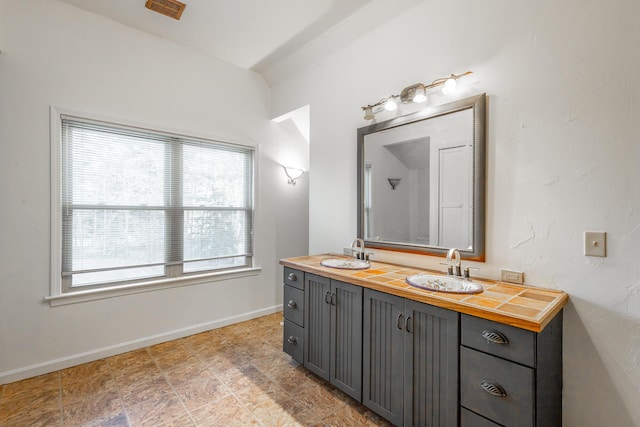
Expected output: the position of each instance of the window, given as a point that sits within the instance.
(138, 205)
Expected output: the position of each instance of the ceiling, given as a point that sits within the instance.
(256, 34)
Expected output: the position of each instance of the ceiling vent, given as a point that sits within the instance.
(170, 8)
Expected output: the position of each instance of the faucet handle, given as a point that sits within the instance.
(466, 272)
(449, 268)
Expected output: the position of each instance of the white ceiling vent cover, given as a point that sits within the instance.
(170, 8)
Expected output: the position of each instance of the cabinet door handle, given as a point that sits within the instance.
(400, 321)
(292, 340)
(492, 388)
(293, 277)
(327, 297)
(494, 336)
(408, 324)
(292, 304)
(332, 300)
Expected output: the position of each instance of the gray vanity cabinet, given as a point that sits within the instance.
(420, 365)
(510, 376)
(293, 309)
(410, 365)
(333, 332)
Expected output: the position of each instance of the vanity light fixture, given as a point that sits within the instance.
(420, 94)
(292, 174)
(394, 182)
(368, 113)
(415, 93)
(449, 85)
(391, 104)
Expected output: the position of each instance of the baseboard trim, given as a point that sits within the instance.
(89, 356)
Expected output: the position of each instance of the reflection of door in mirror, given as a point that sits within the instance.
(367, 200)
(451, 203)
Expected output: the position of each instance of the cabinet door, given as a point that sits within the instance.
(317, 318)
(383, 355)
(431, 365)
(346, 338)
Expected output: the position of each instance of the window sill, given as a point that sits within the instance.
(153, 285)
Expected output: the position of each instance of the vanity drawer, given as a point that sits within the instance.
(483, 378)
(294, 278)
(293, 305)
(471, 419)
(292, 343)
(505, 341)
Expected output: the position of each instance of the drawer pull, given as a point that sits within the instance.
(494, 336)
(493, 388)
(292, 304)
(292, 340)
(408, 325)
(400, 321)
(293, 277)
(327, 296)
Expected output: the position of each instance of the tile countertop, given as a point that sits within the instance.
(524, 307)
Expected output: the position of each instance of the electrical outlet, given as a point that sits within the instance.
(511, 276)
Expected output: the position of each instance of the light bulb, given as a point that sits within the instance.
(391, 104)
(368, 114)
(420, 95)
(449, 85)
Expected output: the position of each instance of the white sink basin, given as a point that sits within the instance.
(346, 264)
(444, 284)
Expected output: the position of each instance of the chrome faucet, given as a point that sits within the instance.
(455, 261)
(357, 248)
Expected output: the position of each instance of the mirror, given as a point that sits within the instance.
(421, 181)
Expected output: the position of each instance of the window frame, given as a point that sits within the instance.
(61, 293)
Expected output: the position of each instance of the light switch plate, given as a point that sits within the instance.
(595, 243)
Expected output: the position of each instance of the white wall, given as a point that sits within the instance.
(563, 156)
(56, 54)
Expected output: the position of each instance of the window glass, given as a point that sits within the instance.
(137, 205)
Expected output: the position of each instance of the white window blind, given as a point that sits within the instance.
(138, 205)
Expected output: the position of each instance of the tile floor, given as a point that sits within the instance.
(232, 376)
